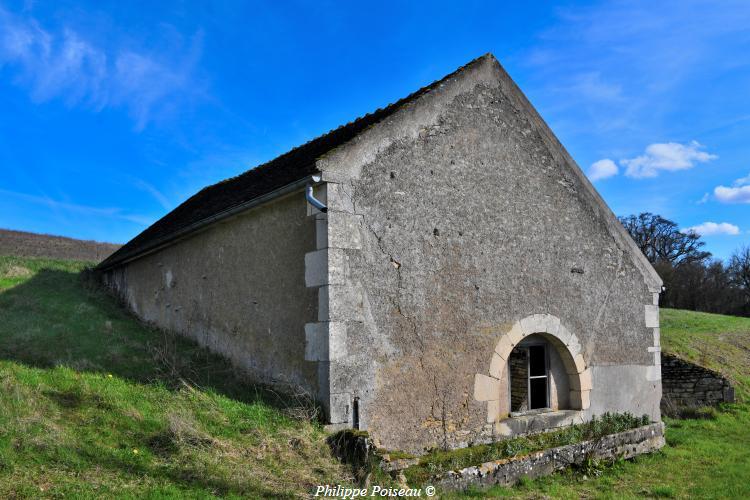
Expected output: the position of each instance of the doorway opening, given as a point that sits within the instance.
(528, 366)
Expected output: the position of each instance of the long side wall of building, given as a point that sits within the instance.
(238, 288)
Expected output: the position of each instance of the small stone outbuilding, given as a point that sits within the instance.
(439, 272)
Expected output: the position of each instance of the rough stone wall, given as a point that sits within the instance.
(622, 445)
(466, 219)
(238, 288)
(685, 384)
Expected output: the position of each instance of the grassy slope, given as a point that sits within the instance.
(93, 403)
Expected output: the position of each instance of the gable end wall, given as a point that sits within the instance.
(467, 221)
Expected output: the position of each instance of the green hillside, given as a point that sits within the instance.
(95, 404)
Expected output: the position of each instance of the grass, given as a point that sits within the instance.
(94, 404)
(721, 343)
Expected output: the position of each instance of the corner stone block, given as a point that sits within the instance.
(657, 337)
(497, 366)
(344, 231)
(486, 388)
(652, 316)
(316, 342)
(653, 373)
(323, 312)
(336, 340)
(321, 231)
(316, 268)
(337, 198)
(325, 341)
(345, 303)
(339, 412)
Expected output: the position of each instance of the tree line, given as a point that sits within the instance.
(693, 279)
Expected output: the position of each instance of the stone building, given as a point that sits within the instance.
(439, 272)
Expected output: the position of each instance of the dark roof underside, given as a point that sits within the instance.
(277, 173)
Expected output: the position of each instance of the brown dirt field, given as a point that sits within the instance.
(23, 244)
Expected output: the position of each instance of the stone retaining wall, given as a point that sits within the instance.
(508, 471)
(685, 384)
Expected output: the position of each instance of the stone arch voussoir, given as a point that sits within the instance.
(487, 386)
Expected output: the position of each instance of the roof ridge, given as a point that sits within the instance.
(285, 169)
(421, 91)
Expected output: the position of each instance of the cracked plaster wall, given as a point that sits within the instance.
(467, 219)
(237, 288)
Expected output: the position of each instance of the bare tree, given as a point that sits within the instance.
(739, 270)
(661, 241)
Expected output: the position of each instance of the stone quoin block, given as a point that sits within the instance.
(325, 267)
(316, 342)
(316, 268)
(344, 230)
(653, 373)
(345, 302)
(652, 316)
(339, 197)
(325, 341)
(340, 409)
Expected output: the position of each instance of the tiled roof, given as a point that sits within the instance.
(234, 192)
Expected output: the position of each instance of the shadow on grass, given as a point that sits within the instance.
(59, 317)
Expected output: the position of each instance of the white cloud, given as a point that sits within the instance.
(712, 229)
(81, 210)
(738, 193)
(704, 199)
(151, 189)
(602, 169)
(670, 156)
(64, 65)
(732, 194)
(742, 181)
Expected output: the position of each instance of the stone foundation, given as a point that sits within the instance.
(626, 444)
(686, 385)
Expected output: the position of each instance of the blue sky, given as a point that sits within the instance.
(112, 113)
